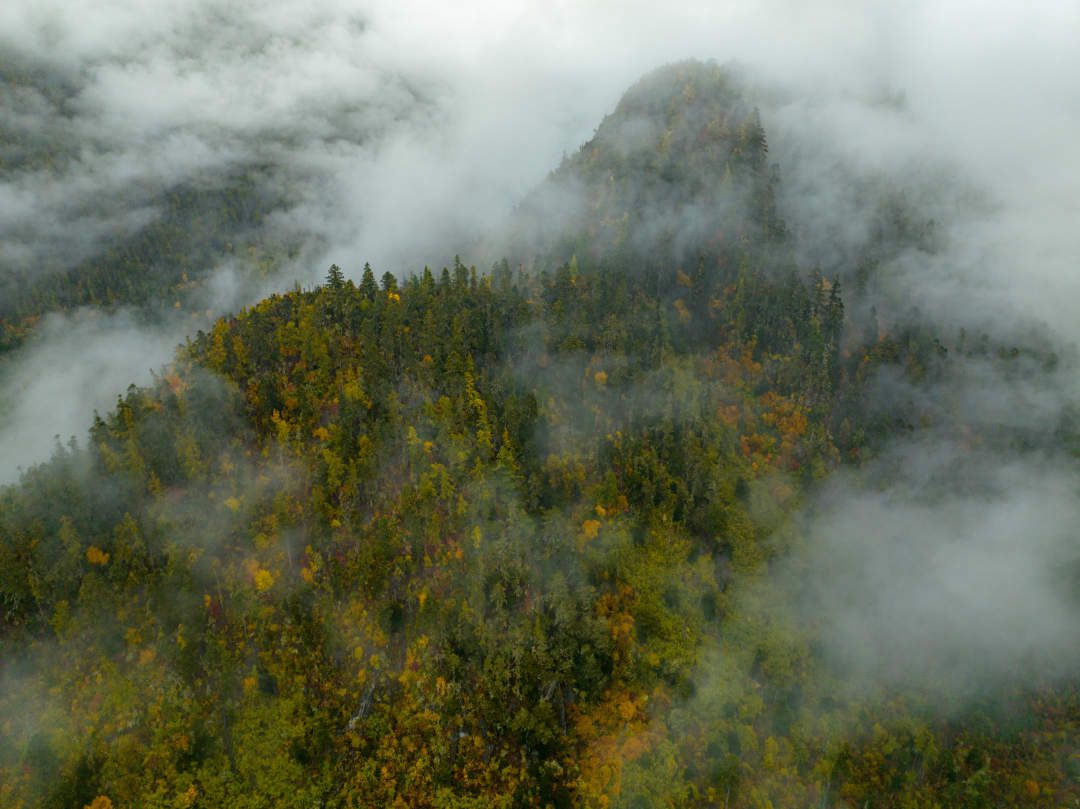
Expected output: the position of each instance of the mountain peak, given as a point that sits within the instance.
(676, 172)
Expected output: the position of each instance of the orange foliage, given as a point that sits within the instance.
(614, 733)
(96, 556)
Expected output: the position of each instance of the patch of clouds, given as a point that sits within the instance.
(77, 364)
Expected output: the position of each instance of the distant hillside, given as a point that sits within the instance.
(144, 246)
(103, 220)
(192, 228)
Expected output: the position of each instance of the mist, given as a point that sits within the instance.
(958, 577)
(78, 365)
(402, 134)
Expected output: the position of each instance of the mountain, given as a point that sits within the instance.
(498, 539)
(149, 245)
(679, 171)
(113, 202)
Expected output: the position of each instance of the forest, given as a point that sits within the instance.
(510, 533)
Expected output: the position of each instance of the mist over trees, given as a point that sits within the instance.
(680, 498)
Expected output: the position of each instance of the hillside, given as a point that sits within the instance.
(506, 538)
(85, 227)
(677, 172)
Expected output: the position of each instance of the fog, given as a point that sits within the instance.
(958, 577)
(402, 133)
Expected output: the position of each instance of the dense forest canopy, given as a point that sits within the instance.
(545, 534)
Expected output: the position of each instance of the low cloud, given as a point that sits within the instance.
(958, 576)
(78, 364)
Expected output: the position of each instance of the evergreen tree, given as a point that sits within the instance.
(367, 283)
(335, 279)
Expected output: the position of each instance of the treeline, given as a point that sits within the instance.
(470, 540)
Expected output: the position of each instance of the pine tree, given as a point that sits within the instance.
(335, 278)
(367, 283)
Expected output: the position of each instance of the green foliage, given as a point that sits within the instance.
(486, 540)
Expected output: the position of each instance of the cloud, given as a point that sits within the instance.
(78, 363)
(958, 575)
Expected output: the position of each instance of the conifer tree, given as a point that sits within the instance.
(335, 278)
(367, 284)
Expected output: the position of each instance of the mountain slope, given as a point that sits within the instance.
(678, 171)
(494, 539)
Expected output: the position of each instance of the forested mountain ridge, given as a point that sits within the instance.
(151, 245)
(160, 263)
(679, 170)
(490, 539)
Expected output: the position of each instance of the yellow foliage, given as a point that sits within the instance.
(100, 802)
(264, 580)
(352, 389)
(600, 378)
(615, 733)
(188, 797)
(232, 504)
(681, 311)
(590, 528)
(282, 426)
(96, 556)
(61, 617)
(728, 414)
